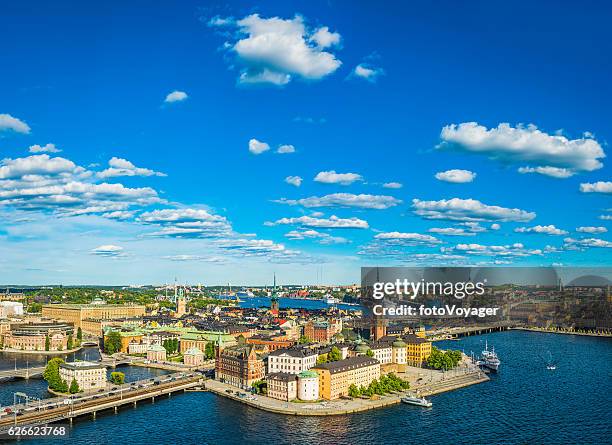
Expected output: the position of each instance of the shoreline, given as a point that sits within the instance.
(547, 331)
(339, 406)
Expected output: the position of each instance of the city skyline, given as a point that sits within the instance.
(225, 143)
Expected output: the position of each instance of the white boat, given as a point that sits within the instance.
(489, 359)
(418, 401)
(551, 367)
(331, 300)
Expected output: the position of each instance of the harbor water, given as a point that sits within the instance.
(524, 404)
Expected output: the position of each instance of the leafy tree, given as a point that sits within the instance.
(51, 373)
(63, 386)
(370, 353)
(79, 334)
(47, 342)
(304, 340)
(322, 359)
(69, 344)
(112, 342)
(118, 378)
(209, 350)
(74, 387)
(334, 355)
(353, 391)
(35, 307)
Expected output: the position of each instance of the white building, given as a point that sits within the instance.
(308, 385)
(10, 308)
(291, 360)
(382, 352)
(88, 375)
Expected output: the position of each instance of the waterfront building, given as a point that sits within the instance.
(291, 360)
(274, 305)
(335, 378)
(308, 386)
(241, 365)
(156, 353)
(282, 386)
(418, 350)
(88, 375)
(76, 313)
(193, 357)
(10, 309)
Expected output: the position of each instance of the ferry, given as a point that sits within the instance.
(418, 401)
(489, 359)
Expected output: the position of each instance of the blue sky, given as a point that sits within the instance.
(140, 141)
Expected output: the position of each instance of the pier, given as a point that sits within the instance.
(60, 409)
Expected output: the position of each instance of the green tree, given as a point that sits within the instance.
(63, 386)
(118, 378)
(47, 342)
(322, 359)
(51, 373)
(334, 355)
(370, 353)
(209, 350)
(79, 334)
(304, 340)
(69, 344)
(74, 387)
(353, 391)
(35, 307)
(112, 342)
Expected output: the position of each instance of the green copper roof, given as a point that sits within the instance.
(308, 374)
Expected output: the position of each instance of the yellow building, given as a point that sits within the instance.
(77, 313)
(418, 350)
(335, 378)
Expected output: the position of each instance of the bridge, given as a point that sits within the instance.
(60, 409)
(23, 373)
(463, 331)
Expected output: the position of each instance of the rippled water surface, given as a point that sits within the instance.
(524, 404)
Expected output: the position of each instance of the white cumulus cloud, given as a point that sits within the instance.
(47, 148)
(8, 122)
(574, 244)
(554, 154)
(276, 50)
(451, 231)
(591, 229)
(294, 180)
(546, 230)
(457, 209)
(596, 187)
(403, 238)
(285, 149)
(123, 167)
(176, 96)
(363, 201)
(331, 177)
(257, 147)
(320, 237)
(333, 222)
(392, 185)
(456, 176)
(367, 72)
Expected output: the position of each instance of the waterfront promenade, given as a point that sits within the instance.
(344, 406)
(559, 331)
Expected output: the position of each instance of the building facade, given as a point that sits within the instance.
(88, 375)
(308, 386)
(335, 378)
(76, 313)
(241, 365)
(291, 360)
(282, 386)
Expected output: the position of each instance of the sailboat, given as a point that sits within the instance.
(550, 365)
